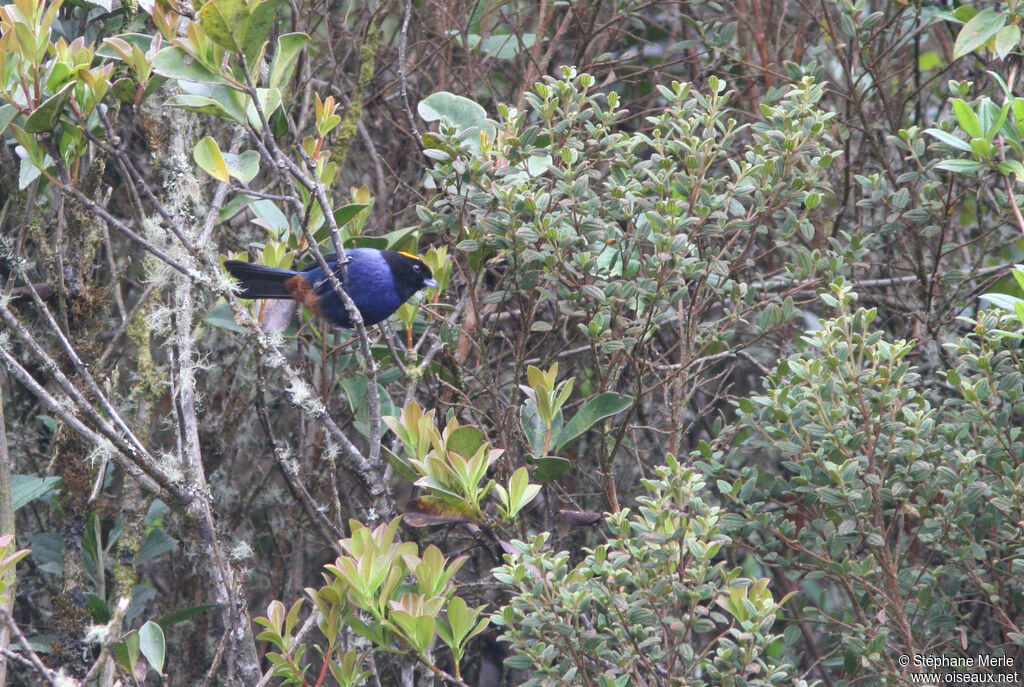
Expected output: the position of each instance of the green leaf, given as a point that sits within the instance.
(243, 166)
(532, 426)
(378, 242)
(593, 411)
(142, 40)
(1018, 275)
(256, 32)
(28, 488)
(226, 22)
(960, 166)
(177, 64)
(29, 171)
(966, 117)
(157, 543)
(462, 624)
(1014, 167)
(7, 115)
(208, 156)
(417, 630)
(154, 83)
(964, 13)
(549, 468)
(520, 491)
(222, 317)
(283, 64)
(269, 99)
(346, 213)
(151, 643)
(949, 139)
(1017, 107)
(461, 112)
(506, 47)
(438, 155)
(982, 149)
(465, 441)
(1007, 40)
(127, 652)
(124, 90)
(356, 392)
(977, 32)
(181, 615)
(401, 465)
(98, 609)
(47, 552)
(928, 60)
(1001, 300)
(219, 101)
(268, 216)
(992, 127)
(437, 509)
(142, 595)
(45, 117)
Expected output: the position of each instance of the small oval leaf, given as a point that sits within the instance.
(152, 646)
(550, 468)
(208, 156)
(1007, 40)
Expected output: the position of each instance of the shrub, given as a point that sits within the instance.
(892, 511)
(654, 605)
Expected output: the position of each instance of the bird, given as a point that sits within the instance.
(377, 281)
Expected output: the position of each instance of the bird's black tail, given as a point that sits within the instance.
(259, 281)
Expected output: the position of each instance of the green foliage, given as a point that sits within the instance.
(542, 423)
(148, 641)
(875, 504)
(451, 465)
(659, 208)
(574, 231)
(987, 127)
(385, 592)
(655, 605)
(222, 166)
(49, 77)
(1014, 305)
(985, 30)
(27, 488)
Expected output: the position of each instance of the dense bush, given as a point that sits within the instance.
(655, 605)
(898, 521)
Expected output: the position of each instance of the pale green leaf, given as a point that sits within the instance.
(1007, 40)
(208, 156)
(152, 646)
(977, 32)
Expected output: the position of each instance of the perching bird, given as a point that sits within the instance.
(378, 281)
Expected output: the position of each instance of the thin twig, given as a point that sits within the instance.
(112, 344)
(329, 532)
(28, 653)
(403, 41)
(138, 464)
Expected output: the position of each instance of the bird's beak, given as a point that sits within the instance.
(430, 283)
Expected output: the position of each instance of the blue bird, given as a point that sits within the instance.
(378, 282)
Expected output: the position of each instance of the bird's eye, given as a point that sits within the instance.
(416, 267)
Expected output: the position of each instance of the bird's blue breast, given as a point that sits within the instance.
(369, 284)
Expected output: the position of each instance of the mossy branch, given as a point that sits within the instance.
(349, 125)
